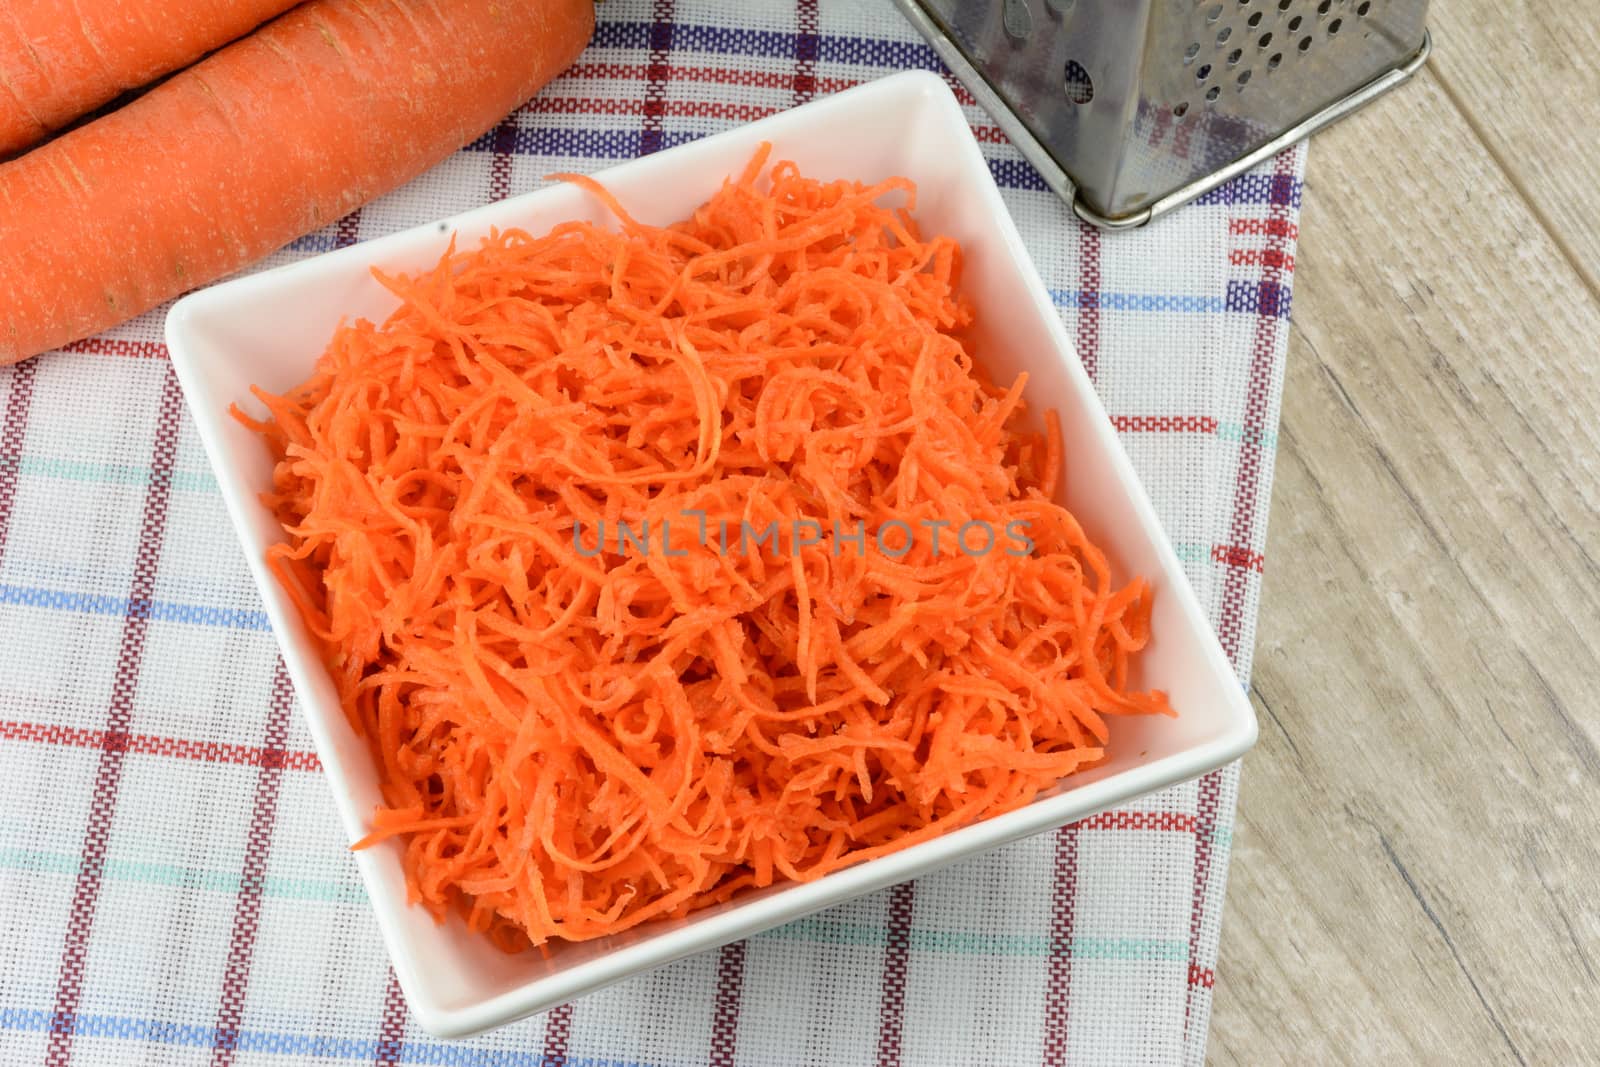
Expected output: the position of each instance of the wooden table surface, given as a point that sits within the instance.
(1416, 869)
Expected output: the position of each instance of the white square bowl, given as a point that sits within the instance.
(268, 329)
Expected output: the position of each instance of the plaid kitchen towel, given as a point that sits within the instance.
(173, 884)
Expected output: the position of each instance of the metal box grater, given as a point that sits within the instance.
(1129, 108)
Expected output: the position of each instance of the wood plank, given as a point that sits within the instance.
(1419, 828)
(1524, 74)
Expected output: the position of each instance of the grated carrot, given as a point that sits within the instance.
(576, 734)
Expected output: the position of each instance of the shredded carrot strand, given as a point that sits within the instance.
(582, 726)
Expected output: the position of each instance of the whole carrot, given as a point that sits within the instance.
(59, 61)
(278, 134)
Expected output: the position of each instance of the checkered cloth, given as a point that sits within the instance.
(173, 883)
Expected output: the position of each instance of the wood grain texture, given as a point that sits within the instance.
(1523, 75)
(1415, 865)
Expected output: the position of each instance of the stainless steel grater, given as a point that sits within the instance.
(1129, 108)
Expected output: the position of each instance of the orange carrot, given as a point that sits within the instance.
(279, 133)
(57, 64)
(576, 734)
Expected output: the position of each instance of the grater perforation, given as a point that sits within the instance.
(1131, 107)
